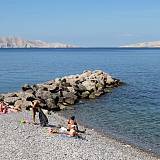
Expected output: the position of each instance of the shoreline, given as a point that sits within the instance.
(28, 141)
(118, 140)
(124, 142)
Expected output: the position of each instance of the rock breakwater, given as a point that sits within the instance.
(61, 92)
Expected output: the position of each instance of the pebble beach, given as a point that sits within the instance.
(29, 142)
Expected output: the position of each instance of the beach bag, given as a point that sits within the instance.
(42, 118)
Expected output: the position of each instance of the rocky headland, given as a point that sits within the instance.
(61, 92)
(14, 42)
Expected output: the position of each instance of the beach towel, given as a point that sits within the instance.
(42, 118)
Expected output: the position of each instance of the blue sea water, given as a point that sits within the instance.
(130, 113)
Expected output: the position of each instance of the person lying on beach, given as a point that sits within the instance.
(42, 117)
(71, 133)
(5, 108)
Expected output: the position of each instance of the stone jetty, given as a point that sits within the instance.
(61, 92)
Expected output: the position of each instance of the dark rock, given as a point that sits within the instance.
(53, 88)
(26, 87)
(35, 87)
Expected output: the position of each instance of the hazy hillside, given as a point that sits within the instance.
(154, 44)
(14, 42)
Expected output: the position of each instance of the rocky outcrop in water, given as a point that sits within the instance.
(59, 93)
(14, 42)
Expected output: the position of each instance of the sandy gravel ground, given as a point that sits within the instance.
(32, 142)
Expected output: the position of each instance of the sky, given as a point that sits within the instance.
(85, 23)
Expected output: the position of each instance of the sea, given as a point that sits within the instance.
(131, 113)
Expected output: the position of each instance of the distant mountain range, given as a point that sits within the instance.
(14, 42)
(154, 44)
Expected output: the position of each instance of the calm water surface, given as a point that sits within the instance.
(130, 113)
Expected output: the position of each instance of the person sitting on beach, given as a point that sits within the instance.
(73, 131)
(70, 122)
(42, 117)
(3, 107)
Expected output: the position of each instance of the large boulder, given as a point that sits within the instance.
(71, 89)
(51, 105)
(85, 94)
(26, 104)
(53, 88)
(11, 100)
(89, 85)
(92, 96)
(42, 94)
(69, 97)
(18, 105)
(26, 96)
(35, 87)
(81, 87)
(62, 106)
(30, 91)
(99, 86)
(86, 74)
(109, 79)
(98, 72)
